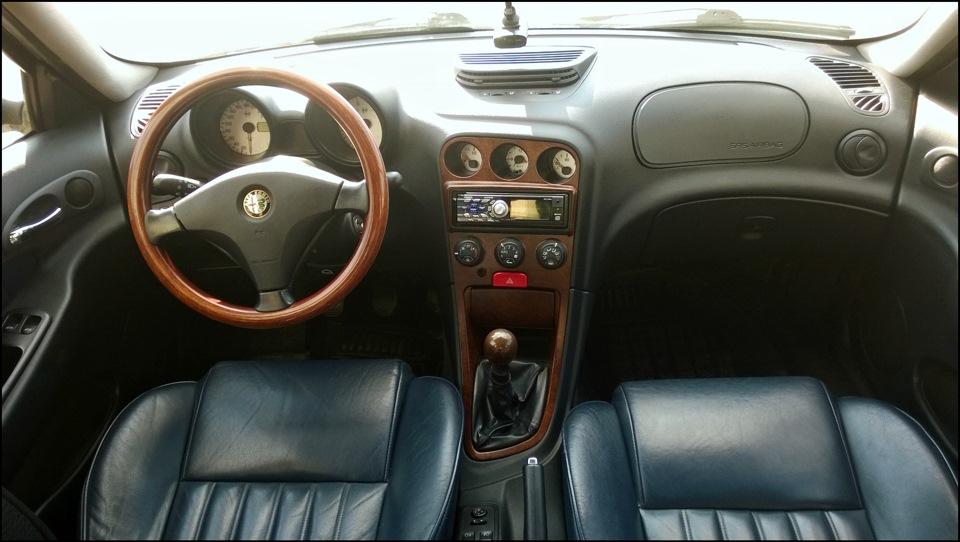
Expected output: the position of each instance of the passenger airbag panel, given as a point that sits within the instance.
(719, 122)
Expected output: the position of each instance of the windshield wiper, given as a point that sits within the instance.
(716, 19)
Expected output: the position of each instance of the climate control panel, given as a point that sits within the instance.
(510, 252)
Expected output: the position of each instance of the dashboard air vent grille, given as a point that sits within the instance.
(511, 79)
(873, 103)
(541, 67)
(522, 57)
(149, 103)
(862, 88)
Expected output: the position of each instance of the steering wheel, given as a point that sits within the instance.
(264, 215)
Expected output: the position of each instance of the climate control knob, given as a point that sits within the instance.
(509, 252)
(468, 251)
(499, 209)
(551, 253)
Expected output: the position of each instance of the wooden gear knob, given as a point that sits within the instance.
(500, 346)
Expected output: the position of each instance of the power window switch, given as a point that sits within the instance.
(12, 323)
(486, 535)
(30, 324)
(469, 535)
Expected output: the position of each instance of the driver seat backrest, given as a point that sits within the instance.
(752, 458)
(279, 450)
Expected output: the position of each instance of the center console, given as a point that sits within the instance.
(510, 209)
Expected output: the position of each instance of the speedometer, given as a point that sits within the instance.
(244, 128)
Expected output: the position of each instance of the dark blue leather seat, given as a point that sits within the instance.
(279, 450)
(764, 458)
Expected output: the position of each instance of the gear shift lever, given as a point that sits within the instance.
(500, 347)
(509, 394)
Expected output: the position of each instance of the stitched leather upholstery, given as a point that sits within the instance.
(765, 458)
(281, 450)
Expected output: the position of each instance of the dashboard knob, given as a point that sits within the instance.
(509, 252)
(468, 251)
(499, 209)
(551, 253)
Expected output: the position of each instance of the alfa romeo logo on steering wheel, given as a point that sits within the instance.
(256, 203)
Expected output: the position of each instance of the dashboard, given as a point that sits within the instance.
(648, 122)
(521, 184)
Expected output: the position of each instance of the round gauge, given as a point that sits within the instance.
(516, 160)
(328, 136)
(370, 118)
(244, 128)
(563, 164)
(471, 158)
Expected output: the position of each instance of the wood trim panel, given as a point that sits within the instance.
(478, 278)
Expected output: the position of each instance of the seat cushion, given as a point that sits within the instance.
(266, 450)
(751, 458)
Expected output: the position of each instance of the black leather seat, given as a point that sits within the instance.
(279, 450)
(765, 458)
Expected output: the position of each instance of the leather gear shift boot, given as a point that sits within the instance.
(505, 415)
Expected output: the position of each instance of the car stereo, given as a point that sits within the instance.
(515, 210)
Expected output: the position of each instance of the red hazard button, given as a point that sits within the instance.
(506, 279)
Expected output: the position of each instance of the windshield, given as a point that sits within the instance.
(179, 31)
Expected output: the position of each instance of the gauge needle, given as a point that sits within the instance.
(248, 127)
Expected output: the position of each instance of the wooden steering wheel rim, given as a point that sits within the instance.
(140, 178)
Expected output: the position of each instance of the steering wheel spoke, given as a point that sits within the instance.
(160, 223)
(264, 215)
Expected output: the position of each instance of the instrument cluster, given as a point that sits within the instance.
(241, 126)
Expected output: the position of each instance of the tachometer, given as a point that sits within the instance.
(330, 139)
(244, 128)
(370, 118)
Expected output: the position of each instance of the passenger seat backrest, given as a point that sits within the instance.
(751, 458)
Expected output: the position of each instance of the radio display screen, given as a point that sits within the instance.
(530, 209)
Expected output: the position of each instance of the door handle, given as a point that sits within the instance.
(18, 235)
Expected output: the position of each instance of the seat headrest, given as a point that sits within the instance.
(292, 421)
(758, 443)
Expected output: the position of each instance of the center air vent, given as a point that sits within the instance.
(528, 68)
(149, 103)
(861, 87)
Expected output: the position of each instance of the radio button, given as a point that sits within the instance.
(499, 209)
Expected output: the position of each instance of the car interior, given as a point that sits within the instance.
(602, 279)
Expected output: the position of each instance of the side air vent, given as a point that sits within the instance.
(149, 103)
(540, 68)
(874, 103)
(861, 87)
